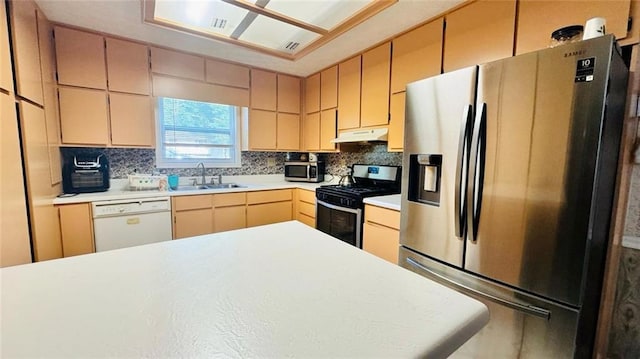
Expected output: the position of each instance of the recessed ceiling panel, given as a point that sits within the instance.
(215, 17)
(283, 28)
(325, 14)
(277, 35)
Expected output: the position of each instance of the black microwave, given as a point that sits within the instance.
(304, 171)
(85, 173)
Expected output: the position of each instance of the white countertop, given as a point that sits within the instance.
(119, 189)
(390, 202)
(283, 290)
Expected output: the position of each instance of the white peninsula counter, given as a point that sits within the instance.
(282, 290)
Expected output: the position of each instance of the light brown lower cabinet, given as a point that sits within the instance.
(306, 207)
(192, 215)
(381, 232)
(266, 207)
(76, 228)
(230, 211)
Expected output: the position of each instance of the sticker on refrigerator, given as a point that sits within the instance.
(585, 69)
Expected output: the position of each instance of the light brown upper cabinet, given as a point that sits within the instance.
(83, 116)
(538, 19)
(26, 56)
(131, 118)
(288, 94)
(223, 73)
(312, 93)
(376, 77)
(177, 64)
(50, 95)
(6, 70)
(349, 76)
(396, 123)
(328, 120)
(128, 67)
(480, 32)
(312, 131)
(262, 130)
(416, 55)
(81, 58)
(288, 132)
(263, 90)
(329, 88)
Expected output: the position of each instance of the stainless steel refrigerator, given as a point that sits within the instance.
(508, 189)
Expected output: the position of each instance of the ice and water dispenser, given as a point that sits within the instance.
(425, 172)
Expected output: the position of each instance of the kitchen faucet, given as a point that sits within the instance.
(203, 169)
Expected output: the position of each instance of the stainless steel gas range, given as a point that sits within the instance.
(340, 208)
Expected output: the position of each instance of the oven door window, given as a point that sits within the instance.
(342, 223)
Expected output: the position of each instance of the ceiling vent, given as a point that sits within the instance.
(292, 45)
(218, 23)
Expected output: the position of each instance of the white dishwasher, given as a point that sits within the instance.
(128, 223)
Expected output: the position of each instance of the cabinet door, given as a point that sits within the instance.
(262, 130)
(45, 225)
(381, 241)
(538, 19)
(132, 122)
(396, 125)
(193, 223)
(376, 77)
(263, 90)
(312, 93)
(6, 70)
(349, 76)
(128, 67)
(26, 56)
(329, 88)
(76, 227)
(417, 55)
(261, 214)
(83, 116)
(229, 218)
(480, 32)
(14, 227)
(223, 73)
(328, 129)
(288, 132)
(80, 57)
(288, 94)
(50, 95)
(177, 64)
(312, 131)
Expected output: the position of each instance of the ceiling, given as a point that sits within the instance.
(124, 18)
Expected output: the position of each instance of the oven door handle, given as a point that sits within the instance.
(337, 208)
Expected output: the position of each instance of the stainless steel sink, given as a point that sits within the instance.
(209, 186)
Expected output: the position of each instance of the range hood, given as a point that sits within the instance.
(362, 135)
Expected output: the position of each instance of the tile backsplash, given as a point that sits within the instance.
(125, 161)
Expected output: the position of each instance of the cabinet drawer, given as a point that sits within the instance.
(191, 202)
(307, 196)
(309, 221)
(383, 216)
(381, 241)
(269, 196)
(229, 199)
(307, 209)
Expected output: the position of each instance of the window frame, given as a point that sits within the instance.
(163, 162)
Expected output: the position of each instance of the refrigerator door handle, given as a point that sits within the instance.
(525, 308)
(461, 187)
(476, 173)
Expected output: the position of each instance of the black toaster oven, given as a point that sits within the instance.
(85, 173)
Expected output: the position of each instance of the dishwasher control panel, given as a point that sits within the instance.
(129, 207)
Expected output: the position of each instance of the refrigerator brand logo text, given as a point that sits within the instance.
(574, 53)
